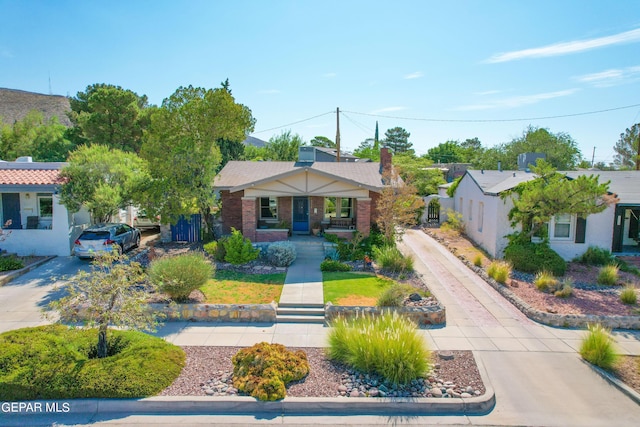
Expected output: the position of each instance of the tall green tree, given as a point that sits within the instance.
(102, 179)
(416, 170)
(43, 140)
(283, 147)
(181, 147)
(560, 149)
(627, 149)
(111, 116)
(551, 193)
(397, 139)
(367, 150)
(446, 152)
(470, 150)
(322, 141)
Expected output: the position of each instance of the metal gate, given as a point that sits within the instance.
(433, 212)
(187, 231)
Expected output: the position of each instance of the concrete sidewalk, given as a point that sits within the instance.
(303, 284)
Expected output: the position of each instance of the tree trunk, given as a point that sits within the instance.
(103, 348)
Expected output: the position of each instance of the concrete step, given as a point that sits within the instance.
(290, 318)
(300, 305)
(300, 311)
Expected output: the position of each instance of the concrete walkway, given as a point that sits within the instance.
(303, 284)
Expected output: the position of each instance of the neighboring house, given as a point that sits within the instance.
(266, 199)
(451, 171)
(323, 154)
(485, 213)
(39, 224)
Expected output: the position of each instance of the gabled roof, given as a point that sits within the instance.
(30, 173)
(625, 184)
(237, 175)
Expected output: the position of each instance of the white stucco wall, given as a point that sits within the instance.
(599, 232)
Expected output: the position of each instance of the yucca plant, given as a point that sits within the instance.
(597, 347)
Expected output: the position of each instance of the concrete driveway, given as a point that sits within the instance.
(22, 299)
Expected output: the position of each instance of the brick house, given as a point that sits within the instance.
(267, 200)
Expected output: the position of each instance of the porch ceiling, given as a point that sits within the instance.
(306, 183)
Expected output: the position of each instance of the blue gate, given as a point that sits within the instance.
(187, 231)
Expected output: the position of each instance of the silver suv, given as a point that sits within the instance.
(104, 238)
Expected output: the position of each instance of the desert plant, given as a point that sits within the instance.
(597, 347)
(545, 281)
(628, 295)
(499, 271)
(608, 275)
(333, 265)
(454, 221)
(393, 296)
(238, 249)
(477, 260)
(388, 345)
(264, 370)
(533, 257)
(281, 254)
(180, 275)
(391, 259)
(596, 256)
(10, 263)
(564, 289)
(210, 248)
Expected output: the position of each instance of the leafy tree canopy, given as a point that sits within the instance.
(398, 206)
(322, 141)
(627, 148)
(110, 115)
(446, 152)
(283, 147)
(44, 140)
(368, 150)
(416, 170)
(102, 179)
(551, 193)
(397, 139)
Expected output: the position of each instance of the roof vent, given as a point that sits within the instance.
(24, 159)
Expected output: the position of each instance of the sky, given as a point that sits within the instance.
(442, 70)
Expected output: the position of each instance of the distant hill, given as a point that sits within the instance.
(254, 141)
(15, 104)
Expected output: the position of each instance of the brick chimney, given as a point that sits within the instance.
(385, 159)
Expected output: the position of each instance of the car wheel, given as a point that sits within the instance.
(137, 243)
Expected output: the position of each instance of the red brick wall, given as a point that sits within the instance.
(316, 202)
(284, 209)
(272, 235)
(249, 219)
(231, 214)
(363, 219)
(374, 206)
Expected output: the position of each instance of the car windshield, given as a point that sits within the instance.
(94, 235)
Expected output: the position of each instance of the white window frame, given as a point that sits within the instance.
(572, 227)
(41, 197)
(273, 208)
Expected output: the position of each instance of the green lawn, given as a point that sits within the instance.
(353, 288)
(229, 287)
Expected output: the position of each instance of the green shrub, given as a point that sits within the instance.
(211, 248)
(477, 260)
(499, 271)
(333, 265)
(179, 275)
(596, 256)
(238, 249)
(565, 289)
(628, 295)
(281, 254)
(454, 221)
(597, 347)
(391, 259)
(331, 238)
(533, 257)
(394, 295)
(8, 263)
(388, 345)
(264, 370)
(56, 362)
(608, 275)
(545, 281)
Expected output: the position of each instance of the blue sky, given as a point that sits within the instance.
(442, 70)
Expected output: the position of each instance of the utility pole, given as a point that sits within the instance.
(338, 134)
(593, 157)
(638, 156)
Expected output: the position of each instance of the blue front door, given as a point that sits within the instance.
(11, 210)
(301, 215)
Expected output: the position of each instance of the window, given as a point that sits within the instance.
(268, 208)
(470, 209)
(480, 216)
(346, 207)
(45, 206)
(562, 226)
(461, 207)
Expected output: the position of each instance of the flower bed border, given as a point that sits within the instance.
(422, 316)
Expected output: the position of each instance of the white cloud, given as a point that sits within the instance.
(269, 91)
(388, 110)
(610, 77)
(415, 75)
(517, 101)
(567, 47)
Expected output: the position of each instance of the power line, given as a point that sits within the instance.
(360, 126)
(294, 123)
(524, 119)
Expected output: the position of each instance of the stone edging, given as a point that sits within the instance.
(262, 313)
(550, 319)
(422, 316)
(239, 405)
(17, 273)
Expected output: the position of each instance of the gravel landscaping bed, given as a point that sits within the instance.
(209, 371)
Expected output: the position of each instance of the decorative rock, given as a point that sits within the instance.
(374, 392)
(445, 355)
(354, 393)
(209, 391)
(415, 297)
(465, 395)
(436, 392)
(342, 388)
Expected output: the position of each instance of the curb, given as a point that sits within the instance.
(244, 405)
(17, 273)
(634, 395)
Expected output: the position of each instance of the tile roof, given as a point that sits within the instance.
(19, 173)
(238, 174)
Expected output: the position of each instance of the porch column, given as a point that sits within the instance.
(249, 218)
(363, 216)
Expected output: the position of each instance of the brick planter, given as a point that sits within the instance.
(258, 313)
